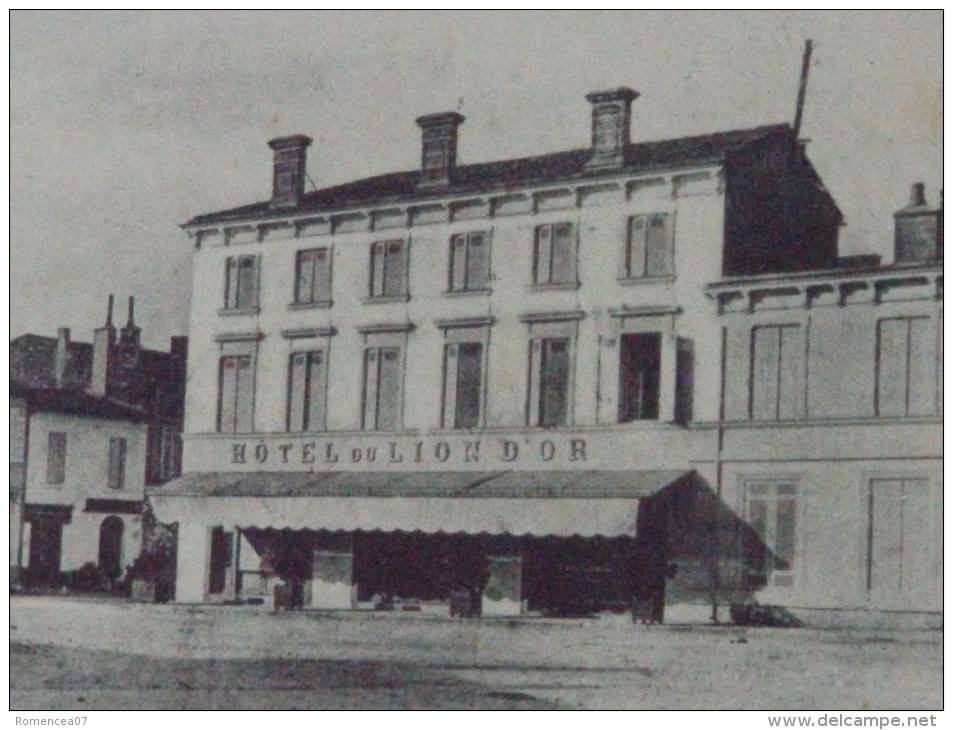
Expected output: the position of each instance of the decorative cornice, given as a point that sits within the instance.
(465, 322)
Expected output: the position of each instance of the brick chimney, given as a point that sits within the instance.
(130, 338)
(918, 229)
(611, 119)
(61, 356)
(104, 339)
(438, 154)
(290, 159)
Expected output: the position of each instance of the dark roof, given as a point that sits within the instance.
(153, 385)
(509, 174)
(77, 402)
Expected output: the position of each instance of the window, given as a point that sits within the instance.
(220, 559)
(313, 276)
(770, 547)
(382, 389)
(554, 258)
(905, 367)
(165, 451)
(388, 269)
(463, 384)
(650, 247)
(56, 457)
(241, 282)
(469, 262)
(235, 394)
(549, 382)
(777, 383)
(117, 463)
(306, 392)
(640, 357)
(902, 538)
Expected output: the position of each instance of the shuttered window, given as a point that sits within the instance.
(56, 457)
(549, 381)
(777, 376)
(554, 259)
(650, 247)
(382, 389)
(236, 394)
(388, 269)
(117, 463)
(771, 510)
(906, 369)
(463, 385)
(306, 392)
(640, 357)
(241, 282)
(469, 261)
(313, 276)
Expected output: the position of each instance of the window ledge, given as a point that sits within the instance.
(562, 286)
(468, 292)
(645, 280)
(236, 312)
(398, 299)
(320, 304)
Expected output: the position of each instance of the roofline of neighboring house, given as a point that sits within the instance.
(79, 403)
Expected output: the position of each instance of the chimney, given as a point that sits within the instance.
(290, 159)
(130, 338)
(61, 357)
(438, 155)
(104, 338)
(611, 119)
(179, 348)
(918, 231)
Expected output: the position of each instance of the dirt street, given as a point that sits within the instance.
(70, 653)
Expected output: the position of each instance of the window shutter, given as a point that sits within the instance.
(371, 372)
(563, 255)
(765, 356)
(892, 367)
(659, 253)
(394, 269)
(244, 395)
(450, 382)
(684, 380)
(635, 254)
(56, 458)
(297, 391)
(469, 382)
(478, 261)
(543, 268)
(247, 282)
(921, 389)
(322, 275)
(305, 285)
(117, 463)
(226, 395)
(535, 372)
(377, 269)
(785, 532)
(231, 282)
(458, 263)
(388, 411)
(316, 392)
(791, 374)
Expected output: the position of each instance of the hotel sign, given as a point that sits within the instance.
(332, 454)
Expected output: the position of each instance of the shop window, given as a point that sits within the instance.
(650, 247)
(56, 457)
(554, 259)
(236, 394)
(116, 478)
(549, 381)
(770, 548)
(640, 357)
(469, 262)
(388, 269)
(905, 367)
(777, 388)
(313, 276)
(241, 282)
(382, 389)
(463, 384)
(306, 391)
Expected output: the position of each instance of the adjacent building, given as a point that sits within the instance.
(555, 383)
(91, 424)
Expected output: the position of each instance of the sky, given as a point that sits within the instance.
(123, 125)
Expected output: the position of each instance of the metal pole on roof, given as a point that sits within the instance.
(802, 89)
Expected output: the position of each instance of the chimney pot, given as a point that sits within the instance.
(611, 121)
(104, 339)
(918, 194)
(438, 154)
(290, 160)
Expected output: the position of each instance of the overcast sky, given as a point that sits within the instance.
(124, 125)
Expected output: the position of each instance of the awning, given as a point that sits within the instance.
(585, 503)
